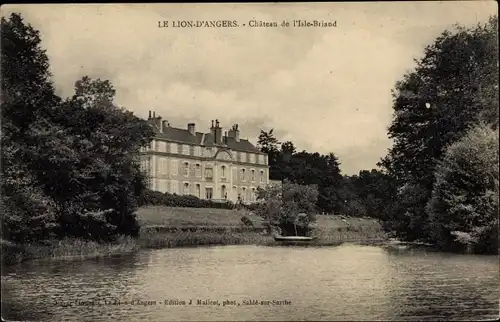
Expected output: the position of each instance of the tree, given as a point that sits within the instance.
(27, 97)
(287, 150)
(290, 207)
(103, 181)
(453, 87)
(464, 205)
(373, 189)
(268, 143)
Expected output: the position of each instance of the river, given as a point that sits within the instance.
(348, 282)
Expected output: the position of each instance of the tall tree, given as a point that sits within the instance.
(452, 88)
(27, 98)
(268, 143)
(103, 180)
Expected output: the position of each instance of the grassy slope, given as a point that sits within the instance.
(190, 217)
(328, 227)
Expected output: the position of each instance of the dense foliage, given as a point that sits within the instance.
(463, 210)
(305, 168)
(453, 88)
(68, 166)
(156, 198)
(289, 206)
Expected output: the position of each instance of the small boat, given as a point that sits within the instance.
(292, 238)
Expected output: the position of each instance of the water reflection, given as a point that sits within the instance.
(431, 284)
(328, 283)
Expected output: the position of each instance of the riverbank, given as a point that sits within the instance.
(169, 227)
(66, 249)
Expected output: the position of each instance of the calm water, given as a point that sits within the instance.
(329, 283)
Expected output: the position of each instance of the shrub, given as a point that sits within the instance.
(246, 221)
(463, 210)
(290, 206)
(156, 198)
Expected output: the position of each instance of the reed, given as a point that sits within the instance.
(66, 249)
(360, 234)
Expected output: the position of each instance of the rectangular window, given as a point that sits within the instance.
(253, 175)
(208, 152)
(208, 173)
(185, 170)
(242, 175)
(162, 146)
(174, 148)
(175, 186)
(197, 151)
(160, 166)
(173, 167)
(208, 193)
(185, 149)
(251, 158)
(243, 157)
(197, 170)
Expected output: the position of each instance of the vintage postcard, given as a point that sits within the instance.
(250, 161)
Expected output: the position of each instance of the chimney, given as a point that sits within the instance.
(234, 133)
(149, 115)
(157, 121)
(217, 133)
(212, 129)
(164, 125)
(191, 128)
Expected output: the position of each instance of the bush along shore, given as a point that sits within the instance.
(169, 227)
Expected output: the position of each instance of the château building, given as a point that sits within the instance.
(212, 165)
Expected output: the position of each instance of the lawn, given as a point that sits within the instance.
(194, 217)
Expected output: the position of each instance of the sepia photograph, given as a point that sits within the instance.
(330, 161)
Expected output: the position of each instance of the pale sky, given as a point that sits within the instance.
(325, 89)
